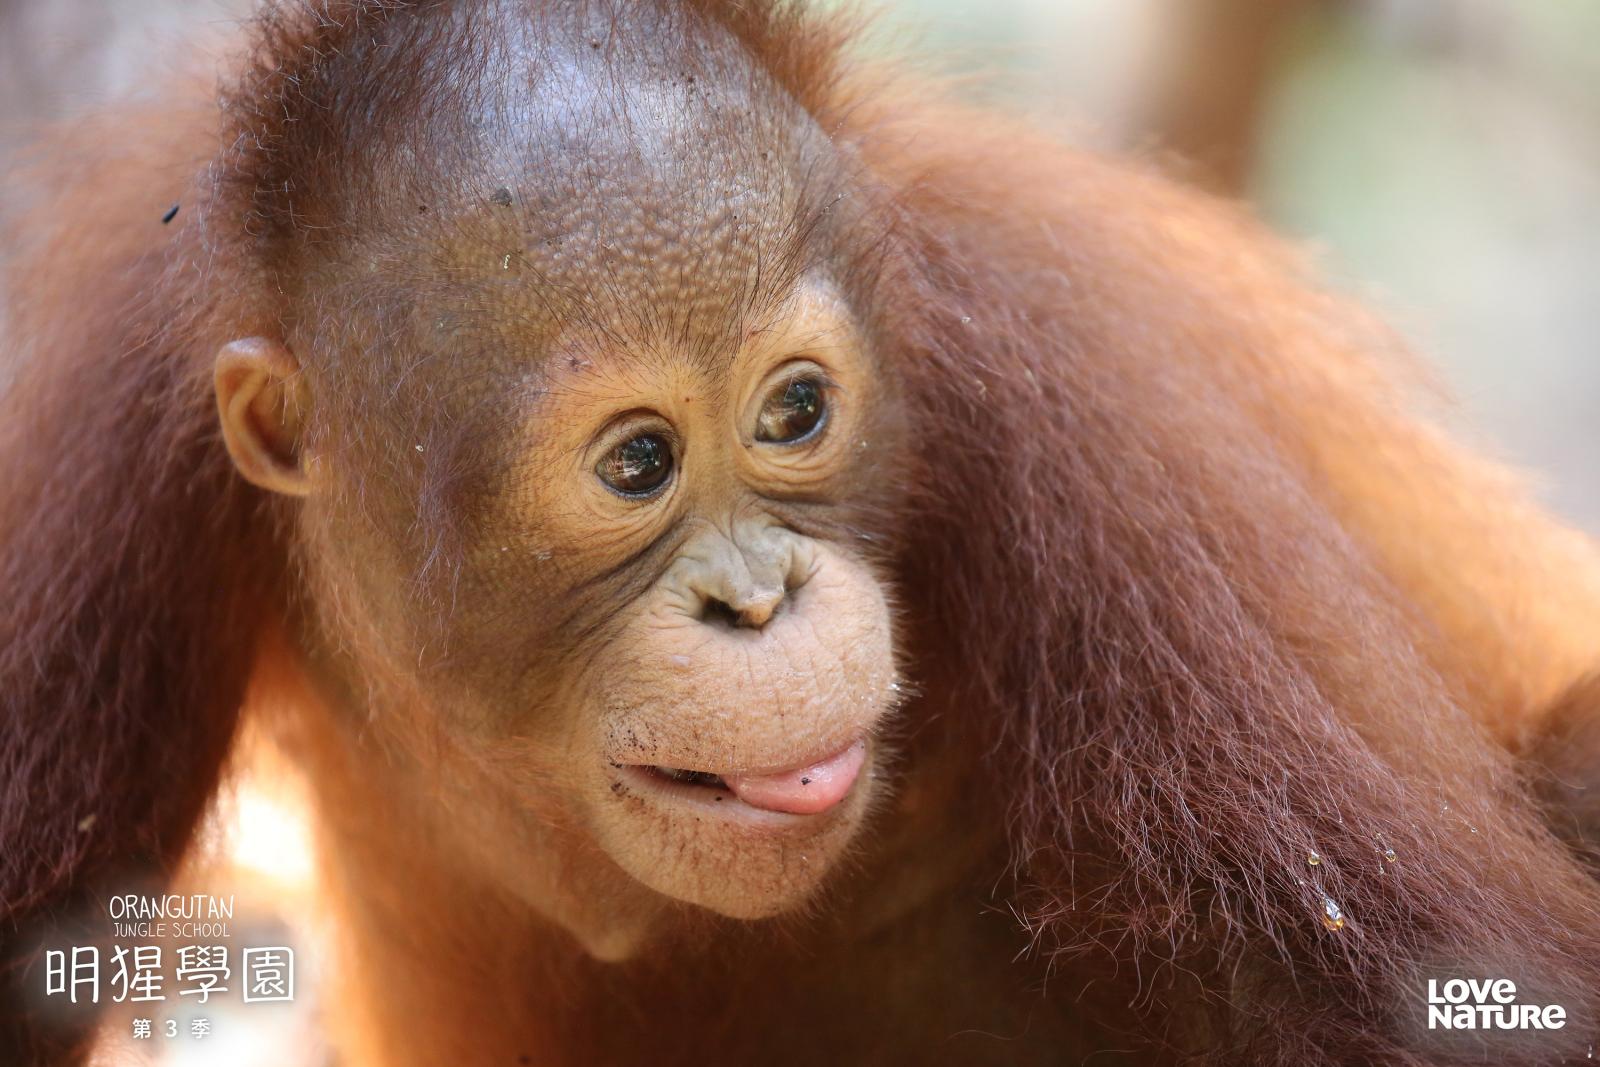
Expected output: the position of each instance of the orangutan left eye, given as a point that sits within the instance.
(794, 411)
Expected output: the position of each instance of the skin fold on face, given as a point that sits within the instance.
(759, 663)
(717, 735)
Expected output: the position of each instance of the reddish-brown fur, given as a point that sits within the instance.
(1189, 575)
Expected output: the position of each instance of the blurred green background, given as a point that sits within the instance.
(1442, 155)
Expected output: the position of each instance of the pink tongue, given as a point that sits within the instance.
(804, 790)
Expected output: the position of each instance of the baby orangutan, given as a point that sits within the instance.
(757, 563)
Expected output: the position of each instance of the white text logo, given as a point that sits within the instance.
(1487, 1004)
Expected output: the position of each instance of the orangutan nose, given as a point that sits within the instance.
(745, 585)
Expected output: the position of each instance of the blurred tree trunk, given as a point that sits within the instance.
(1221, 59)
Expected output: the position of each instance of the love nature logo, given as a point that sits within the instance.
(1487, 1004)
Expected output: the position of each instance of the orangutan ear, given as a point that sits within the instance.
(262, 400)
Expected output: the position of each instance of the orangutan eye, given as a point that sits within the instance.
(793, 411)
(639, 466)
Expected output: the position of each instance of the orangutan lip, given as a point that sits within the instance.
(701, 789)
(699, 778)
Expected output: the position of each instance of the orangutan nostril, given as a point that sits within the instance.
(717, 612)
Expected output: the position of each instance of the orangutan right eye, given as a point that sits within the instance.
(639, 467)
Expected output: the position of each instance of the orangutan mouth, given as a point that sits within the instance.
(806, 789)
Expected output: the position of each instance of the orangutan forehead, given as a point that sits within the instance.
(643, 200)
(616, 211)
